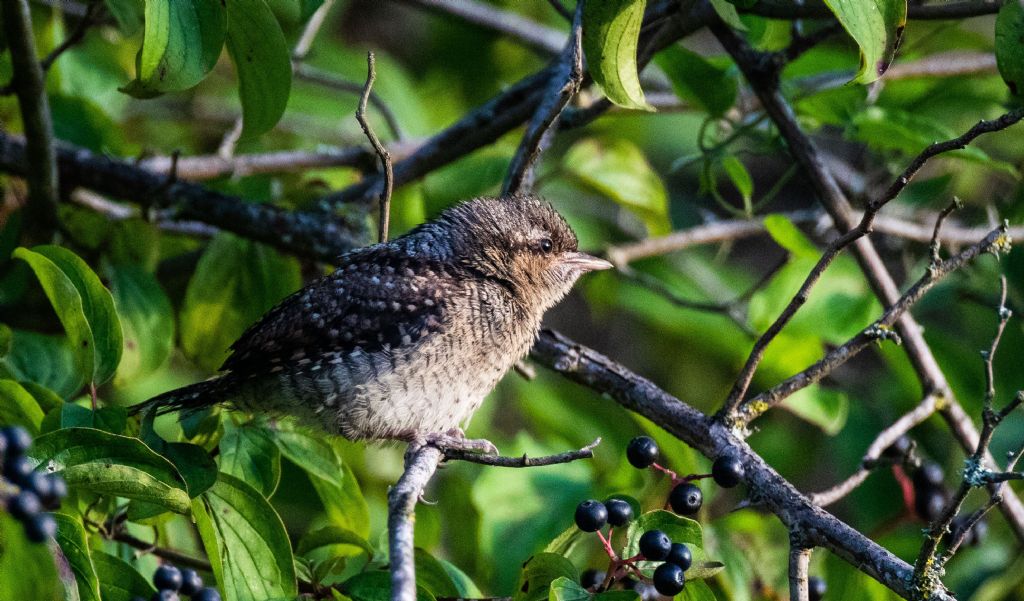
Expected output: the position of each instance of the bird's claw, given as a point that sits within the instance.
(458, 442)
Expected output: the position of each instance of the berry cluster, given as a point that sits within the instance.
(170, 582)
(37, 490)
(685, 498)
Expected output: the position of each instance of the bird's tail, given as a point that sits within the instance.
(188, 398)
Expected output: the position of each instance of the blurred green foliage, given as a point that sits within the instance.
(134, 310)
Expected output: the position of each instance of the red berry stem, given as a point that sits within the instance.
(671, 474)
(606, 542)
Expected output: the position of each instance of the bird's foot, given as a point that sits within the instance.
(456, 440)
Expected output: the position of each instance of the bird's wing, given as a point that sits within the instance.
(377, 298)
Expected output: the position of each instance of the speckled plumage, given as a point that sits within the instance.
(407, 337)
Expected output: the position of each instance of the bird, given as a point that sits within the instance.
(405, 338)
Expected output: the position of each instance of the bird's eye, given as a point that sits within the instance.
(546, 245)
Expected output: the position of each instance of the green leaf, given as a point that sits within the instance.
(263, 62)
(740, 177)
(113, 465)
(539, 573)
(128, 14)
(18, 406)
(26, 569)
(181, 43)
(245, 541)
(728, 13)
(249, 454)
(698, 81)
(564, 543)
(611, 30)
(463, 583)
(84, 306)
(110, 419)
(6, 340)
(119, 581)
(564, 589)
(310, 452)
(432, 576)
(332, 537)
(72, 541)
(789, 237)
(1010, 45)
(44, 360)
(147, 320)
(376, 586)
(619, 170)
(823, 407)
(696, 590)
(678, 528)
(702, 570)
(235, 283)
(194, 464)
(876, 26)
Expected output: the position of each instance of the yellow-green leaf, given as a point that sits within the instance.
(611, 30)
(876, 26)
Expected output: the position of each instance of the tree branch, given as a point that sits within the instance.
(497, 461)
(385, 157)
(799, 562)
(29, 83)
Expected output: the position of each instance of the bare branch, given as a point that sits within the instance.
(29, 83)
(332, 81)
(420, 465)
(564, 84)
(799, 562)
(382, 153)
(568, 456)
(311, 30)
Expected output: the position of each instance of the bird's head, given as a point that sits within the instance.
(521, 241)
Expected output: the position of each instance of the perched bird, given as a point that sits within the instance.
(405, 338)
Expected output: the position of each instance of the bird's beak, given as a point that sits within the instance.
(585, 262)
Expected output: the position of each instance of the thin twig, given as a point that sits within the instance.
(329, 80)
(799, 562)
(176, 557)
(564, 84)
(311, 30)
(524, 461)
(29, 83)
(382, 153)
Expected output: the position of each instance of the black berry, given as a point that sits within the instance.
(58, 489)
(686, 499)
(40, 527)
(165, 595)
(727, 471)
(642, 452)
(18, 440)
(929, 475)
(39, 483)
(24, 505)
(620, 512)
(17, 469)
(591, 579)
(655, 545)
(190, 582)
(207, 594)
(816, 588)
(167, 577)
(669, 579)
(929, 503)
(680, 555)
(591, 515)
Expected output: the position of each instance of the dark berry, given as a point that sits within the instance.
(655, 545)
(40, 527)
(190, 582)
(24, 505)
(39, 483)
(929, 504)
(642, 452)
(669, 579)
(165, 595)
(17, 469)
(645, 591)
(929, 475)
(680, 555)
(816, 588)
(58, 489)
(899, 448)
(686, 499)
(207, 594)
(591, 515)
(18, 440)
(591, 579)
(727, 471)
(620, 512)
(167, 577)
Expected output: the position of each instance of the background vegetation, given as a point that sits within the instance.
(182, 288)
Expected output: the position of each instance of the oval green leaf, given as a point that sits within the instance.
(182, 41)
(245, 541)
(263, 62)
(876, 26)
(539, 573)
(18, 406)
(44, 360)
(697, 80)
(73, 543)
(119, 581)
(611, 31)
(114, 465)
(147, 320)
(249, 454)
(84, 306)
(1010, 46)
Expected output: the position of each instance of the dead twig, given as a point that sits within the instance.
(382, 153)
